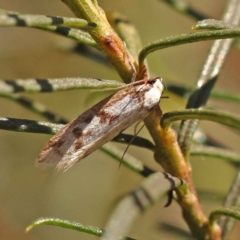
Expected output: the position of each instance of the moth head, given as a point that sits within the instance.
(159, 84)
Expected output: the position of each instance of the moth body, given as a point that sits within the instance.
(100, 124)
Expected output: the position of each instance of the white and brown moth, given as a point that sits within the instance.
(101, 123)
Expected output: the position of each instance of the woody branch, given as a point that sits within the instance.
(170, 156)
(108, 41)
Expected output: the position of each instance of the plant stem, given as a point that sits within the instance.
(127, 32)
(107, 40)
(169, 156)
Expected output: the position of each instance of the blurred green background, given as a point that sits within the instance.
(88, 192)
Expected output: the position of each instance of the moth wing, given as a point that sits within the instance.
(83, 135)
(68, 144)
(57, 146)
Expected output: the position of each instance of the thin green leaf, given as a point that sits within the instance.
(53, 85)
(187, 38)
(75, 34)
(30, 20)
(36, 107)
(215, 94)
(224, 154)
(224, 118)
(229, 212)
(225, 96)
(66, 224)
(70, 225)
(212, 24)
(30, 126)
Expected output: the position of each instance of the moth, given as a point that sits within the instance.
(101, 123)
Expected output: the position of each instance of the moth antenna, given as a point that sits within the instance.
(109, 89)
(134, 75)
(119, 88)
(135, 135)
(131, 64)
(135, 128)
